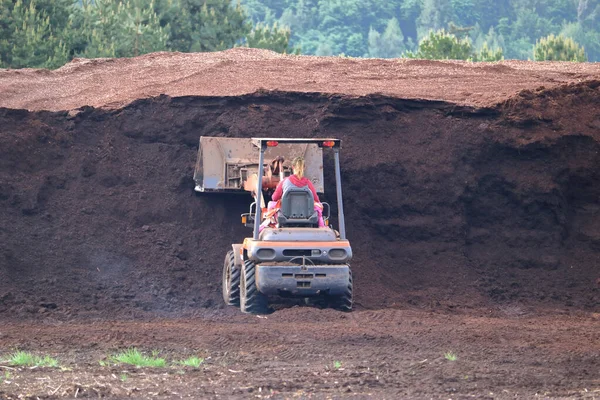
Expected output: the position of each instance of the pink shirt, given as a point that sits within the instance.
(298, 183)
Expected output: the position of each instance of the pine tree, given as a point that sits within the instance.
(374, 39)
(34, 35)
(270, 37)
(388, 45)
(216, 27)
(558, 48)
(122, 29)
(588, 13)
(490, 47)
(172, 13)
(355, 45)
(488, 54)
(324, 49)
(441, 45)
(586, 37)
(435, 15)
(131, 27)
(98, 19)
(141, 32)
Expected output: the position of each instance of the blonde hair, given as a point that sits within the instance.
(298, 166)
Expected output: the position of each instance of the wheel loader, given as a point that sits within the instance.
(288, 255)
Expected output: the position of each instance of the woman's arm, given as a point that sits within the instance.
(314, 192)
(278, 191)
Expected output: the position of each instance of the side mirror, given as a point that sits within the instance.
(248, 218)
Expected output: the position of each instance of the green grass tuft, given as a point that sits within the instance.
(134, 357)
(450, 356)
(337, 364)
(26, 359)
(7, 377)
(194, 362)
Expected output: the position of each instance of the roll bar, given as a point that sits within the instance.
(263, 143)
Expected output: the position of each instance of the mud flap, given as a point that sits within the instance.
(237, 251)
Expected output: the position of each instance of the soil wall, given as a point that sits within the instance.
(448, 207)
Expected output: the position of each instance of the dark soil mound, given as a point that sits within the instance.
(448, 207)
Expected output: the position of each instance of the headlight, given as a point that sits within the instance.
(337, 254)
(265, 254)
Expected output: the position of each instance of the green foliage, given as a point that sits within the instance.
(26, 359)
(337, 364)
(355, 44)
(34, 35)
(324, 49)
(530, 25)
(492, 39)
(388, 45)
(217, 27)
(193, 362)
(450, 356)
(435, 15)
(519, 49)
(441, 45)
(48, 33)
(338, 26)
(588, 13)
(558, 48)
(134, 27)
(121, 29)
(271, 38)
(588, 38)
(134, 357)
(460, 32)
(6, 377)
(488, 54)
(202, 25)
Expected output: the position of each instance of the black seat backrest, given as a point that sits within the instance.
(297, 203)
(297, 207)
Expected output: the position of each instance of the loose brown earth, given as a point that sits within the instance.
(382, 354)
(472, 205)
(112, 83)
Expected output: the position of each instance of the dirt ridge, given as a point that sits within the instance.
(447, 209)
(114, 83)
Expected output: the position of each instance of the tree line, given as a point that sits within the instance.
(394, 28)
(48, 33)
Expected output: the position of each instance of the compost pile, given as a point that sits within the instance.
(465, 185)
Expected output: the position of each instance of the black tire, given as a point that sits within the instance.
(344, 301)
(251, 300)
(231, 280)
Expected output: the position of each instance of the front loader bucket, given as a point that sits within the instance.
(229, 164)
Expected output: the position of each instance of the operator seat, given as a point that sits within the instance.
(297, 208)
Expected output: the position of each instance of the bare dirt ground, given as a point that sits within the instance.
(309, 353)
(113, 83)
(472, 202)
